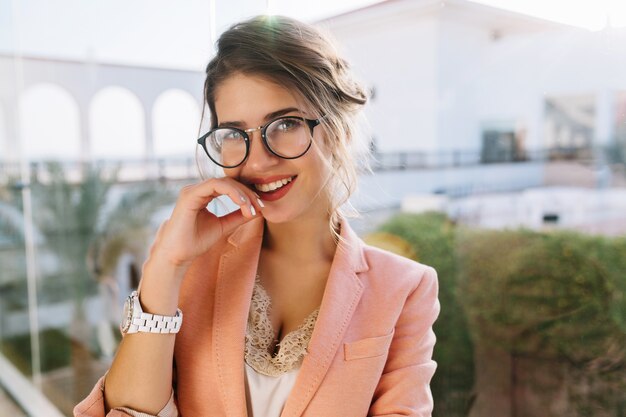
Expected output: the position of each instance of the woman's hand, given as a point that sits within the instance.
(144, 361)
(192, 229)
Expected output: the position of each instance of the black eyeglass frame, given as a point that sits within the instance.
(311, 123)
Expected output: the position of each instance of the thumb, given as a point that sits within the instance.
(233, 220)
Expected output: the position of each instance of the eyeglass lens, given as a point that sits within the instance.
(288, 137)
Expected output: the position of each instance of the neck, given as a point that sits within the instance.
(306, 241)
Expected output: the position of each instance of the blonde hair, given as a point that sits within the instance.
(302, 59)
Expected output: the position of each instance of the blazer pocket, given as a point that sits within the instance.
(368, 347)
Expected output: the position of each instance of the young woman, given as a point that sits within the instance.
(286, 311)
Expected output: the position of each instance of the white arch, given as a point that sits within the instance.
(49, 123)
(116, 124)
(3, 136)
(175, 118)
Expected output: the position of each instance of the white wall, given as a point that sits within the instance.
(3, 135)
(387, 189)
(445, 74)
(398, 58)
(520, 71)
(462, 47)
(49, 121)
(175, 119)
(117, 125)
(595, 211)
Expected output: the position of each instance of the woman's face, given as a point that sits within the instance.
(246, 102)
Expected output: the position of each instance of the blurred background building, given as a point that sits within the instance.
(495, 118)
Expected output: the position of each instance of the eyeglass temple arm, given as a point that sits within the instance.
(314, 122)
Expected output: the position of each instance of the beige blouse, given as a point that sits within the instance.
(268, 378)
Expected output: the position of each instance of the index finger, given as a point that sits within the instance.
(197, 196)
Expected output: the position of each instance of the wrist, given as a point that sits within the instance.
(160, 263)
(163, 257)
(160, 287)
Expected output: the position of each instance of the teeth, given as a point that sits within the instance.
(272, 185)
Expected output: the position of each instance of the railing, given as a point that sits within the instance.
(24, 393)
(185, 168)
(383, 161)
(124, 170)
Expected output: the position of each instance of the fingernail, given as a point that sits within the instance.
(260, 202)
(243, 198)
(253, 210)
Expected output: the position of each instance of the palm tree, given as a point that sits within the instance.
(87, 224)
(125, 229)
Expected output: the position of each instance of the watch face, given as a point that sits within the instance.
(127, 315)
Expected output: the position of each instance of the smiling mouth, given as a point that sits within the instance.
(273, 186)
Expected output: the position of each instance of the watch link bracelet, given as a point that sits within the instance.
(135, 320)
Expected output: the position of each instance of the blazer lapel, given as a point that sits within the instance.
(341, 296)
(235, 282)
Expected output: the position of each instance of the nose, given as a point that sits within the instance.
(259, 158)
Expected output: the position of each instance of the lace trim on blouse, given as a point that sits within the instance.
(260, 335)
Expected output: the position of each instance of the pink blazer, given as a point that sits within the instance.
(370, 353)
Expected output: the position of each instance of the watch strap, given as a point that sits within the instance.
(154, 323)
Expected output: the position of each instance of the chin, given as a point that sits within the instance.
(291, 216)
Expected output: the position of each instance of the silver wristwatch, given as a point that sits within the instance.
(135, 320)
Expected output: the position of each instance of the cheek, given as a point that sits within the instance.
(232, 172)
(316, 166)
(324, 161)
(321, 151)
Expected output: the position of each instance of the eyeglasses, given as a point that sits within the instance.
(287, 137)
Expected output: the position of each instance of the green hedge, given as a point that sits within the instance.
(55, 348)
(557, 295)
(551, 295)
(433, 238)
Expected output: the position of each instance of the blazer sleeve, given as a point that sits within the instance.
(93, 406)
(404, 387)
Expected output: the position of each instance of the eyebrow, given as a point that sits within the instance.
(267, 117)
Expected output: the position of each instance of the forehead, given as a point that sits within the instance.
(249, 98)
